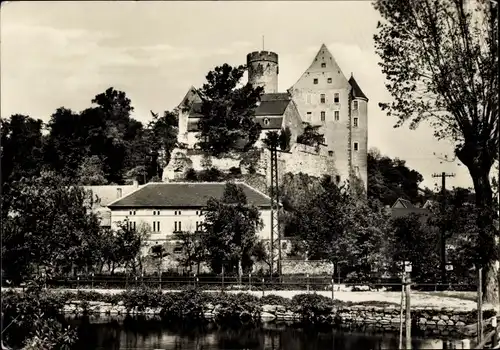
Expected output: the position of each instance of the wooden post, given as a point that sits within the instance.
(307, 282)
(408, 313)
(480, 306)
(333, 287)
(263, 287)
(401, 314)
(249, 281)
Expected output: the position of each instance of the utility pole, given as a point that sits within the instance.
(442, 242)
(275, 206)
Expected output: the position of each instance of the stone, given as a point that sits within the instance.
(455, 318)
(445, 317)
(431, 323)
(385, 321)
(267, 316)
(441, 323)
(436, 318)
(422, 321)
(450, 323)
(460, 324)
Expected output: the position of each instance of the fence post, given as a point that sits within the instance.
(307, 282)
(480, 306)
(222, 277)
(135, 282)
(142, 279)
(263, 287)
(92, 281)
(78, 282)
(249, 281)
(408, 313)
(333, 287)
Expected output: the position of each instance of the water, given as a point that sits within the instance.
(140, 333)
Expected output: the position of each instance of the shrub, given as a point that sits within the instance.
(314, 308)
(272, 299)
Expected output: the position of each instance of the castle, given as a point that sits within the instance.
(322, 96)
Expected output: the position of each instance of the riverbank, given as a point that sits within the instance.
(437, 315)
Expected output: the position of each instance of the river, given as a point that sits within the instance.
(146, 334)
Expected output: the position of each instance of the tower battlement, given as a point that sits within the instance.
(262, 56)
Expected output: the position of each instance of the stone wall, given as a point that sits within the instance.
(445, 321)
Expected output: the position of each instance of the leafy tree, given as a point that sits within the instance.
(49, 225)
(311, 136)
(192, 249)
(164, 132)
(228, 111)
(230, 229)
(440, 60)
(414, 241)
(131, 240)
(390, 179)
(91, 173)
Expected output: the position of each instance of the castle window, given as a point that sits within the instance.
(323, 65)
(355, 120)
(177, 226)
(336, 97)
(329, 80)
(156, 226)
(323, 116)
(315, 81)
(322, 98)
(337, 115)
(355, 105)
(330, 153)
(309, 115)
(266, 121)
(337, 179)
(356, 146)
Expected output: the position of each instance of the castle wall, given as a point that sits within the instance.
(360, 135)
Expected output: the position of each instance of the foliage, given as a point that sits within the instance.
(440, 60)
(390, 179)
(313, 308)
(50, 224)
(415, 241)
(91, 173)
(271, 299)
(230, 229)
(130, 241)
(311, 136)
(228, 121)
(192, 250)
(35, 320)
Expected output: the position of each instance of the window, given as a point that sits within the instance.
(337, 115)
(131, 225)
(156, 226)
(315, 81)
(323, 116)
(284, 246)
(199, 226)
(177, 212)
(156, 212)
(322, 98)
(309, 116)
(356, 146)
(330, 153)
(132, 212)
(336, 97)
(323, 65)
(119, 192)
(197, 212)
(355, 105)
(329, 80)
(177, 226)
(337, 179)
(178, 249)
(266, 121)
(355, 121)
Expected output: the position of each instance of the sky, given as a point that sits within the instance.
(56, 54)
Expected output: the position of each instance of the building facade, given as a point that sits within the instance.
(322, 96)
(167, 208)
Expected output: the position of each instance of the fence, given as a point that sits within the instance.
(248, 282)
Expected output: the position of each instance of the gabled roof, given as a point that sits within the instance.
(356, 90)
(403, 203)
(184, 195)
(273, 104)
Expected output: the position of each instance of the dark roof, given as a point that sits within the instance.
(401, 212)
(184, 195)
(403, 203)
(270, 104)
(356, 90)
(270, 123)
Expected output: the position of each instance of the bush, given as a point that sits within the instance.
(314, 308)
(275, 300)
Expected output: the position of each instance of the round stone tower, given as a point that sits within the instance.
(263, 70)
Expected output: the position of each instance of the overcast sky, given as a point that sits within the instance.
(57, 54)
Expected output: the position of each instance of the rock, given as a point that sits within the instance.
(460, 324)
(267, 316)
(436, 318)
(422, 321)
(121, 303)
(431, 323)
(441, 323)
(455, 318)
(384, 321)
(445, 317)
(450, 323)
(396, 320)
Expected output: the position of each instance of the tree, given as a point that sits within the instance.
(230, 229)
(91, 173)
(228, 111)
(49, 225)
(390, 179)
(130, 241)
(440, 60)
(192, 249)
(311, 136)
(164, 132)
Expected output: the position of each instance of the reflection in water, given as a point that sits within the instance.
(142, 333)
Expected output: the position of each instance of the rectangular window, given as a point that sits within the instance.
(329, 80)
(336, 97)
(323, 65)
(323, 116)
(175, 226)
(330, 153)
(132, 225)
(337, 179)
(356, 146)
(355, 105)
(315, 81)
(154, 226)
(199, 226)
(355, 120)
(158, 226)
(322, 98)
(180, 226)
(337, 115)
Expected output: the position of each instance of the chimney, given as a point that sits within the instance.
(118, 193)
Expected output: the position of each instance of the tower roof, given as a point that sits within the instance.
(356, 90)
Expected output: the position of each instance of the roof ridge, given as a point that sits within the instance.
(137, 189)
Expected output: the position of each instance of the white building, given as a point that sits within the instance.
(178, 206)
